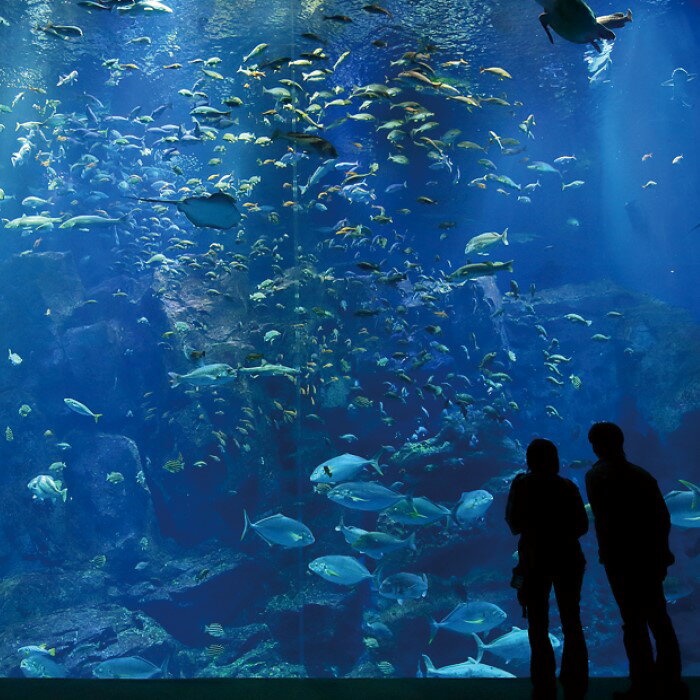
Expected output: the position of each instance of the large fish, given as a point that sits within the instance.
(467, 618)
(377, 544)
(308, 142)
(467, 669)
(684, 506)
(472, 271)
(35, 222)
(404, 586)
(363, 495)
(417, 511)
(81, 409)
(133, 667)
(41, 666)
(281, 530)
(206, 375)
(339, 569)
(616, 20)
(345, 467)
(471, 506)
(484, 240)
(44, 488)
(216, 210)
(268, 370)
(350, 532)
(511, 646)
(90, 221)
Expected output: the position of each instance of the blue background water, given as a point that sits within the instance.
(633, 249)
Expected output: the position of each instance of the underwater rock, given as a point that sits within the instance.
(117, 295)
(92, 351)
(263, 661)
(241, 639)
(651, 364)
(296, 601)
(183, 499)
(189, 576)
(252, 640)
(214, 317)
(190, 433)
(38, 593)
(217, 585)
(49, 281)
(335, 394)
(472, 441)
(331, 622)
(85, 635)
(39, 292)
(363, 669)
(102, 514)
(99, 516)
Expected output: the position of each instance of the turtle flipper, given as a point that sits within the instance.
(604, 32)
(544, 21)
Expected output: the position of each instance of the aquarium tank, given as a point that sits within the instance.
(288, 286)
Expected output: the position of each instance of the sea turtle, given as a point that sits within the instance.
(574, 21)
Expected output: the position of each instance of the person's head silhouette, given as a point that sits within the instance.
(607, 440)
(542, 457)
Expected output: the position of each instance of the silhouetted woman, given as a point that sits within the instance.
(547, 512)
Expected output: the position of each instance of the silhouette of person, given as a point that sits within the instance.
(632, 524)
(547, 512)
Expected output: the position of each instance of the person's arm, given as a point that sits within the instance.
(580, 517)
(662, 517)
(661, 523)
(514, 507)
(599, 517)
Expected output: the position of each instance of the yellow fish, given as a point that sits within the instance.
(500, 73)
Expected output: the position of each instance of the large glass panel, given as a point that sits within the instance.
(288, 287)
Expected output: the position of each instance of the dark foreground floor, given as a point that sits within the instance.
(292, 689)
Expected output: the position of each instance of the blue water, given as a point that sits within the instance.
(144, 557)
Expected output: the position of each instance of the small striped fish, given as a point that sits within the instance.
(214, 629)
(385, 667)
(175, 465)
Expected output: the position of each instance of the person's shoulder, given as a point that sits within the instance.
(636, 468)
(596, 470)
(520, 478)
(641, 473)
(567, 483)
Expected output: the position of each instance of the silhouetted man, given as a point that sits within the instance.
(633, 524)
(547, 512)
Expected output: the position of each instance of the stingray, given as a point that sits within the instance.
(216, 210)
